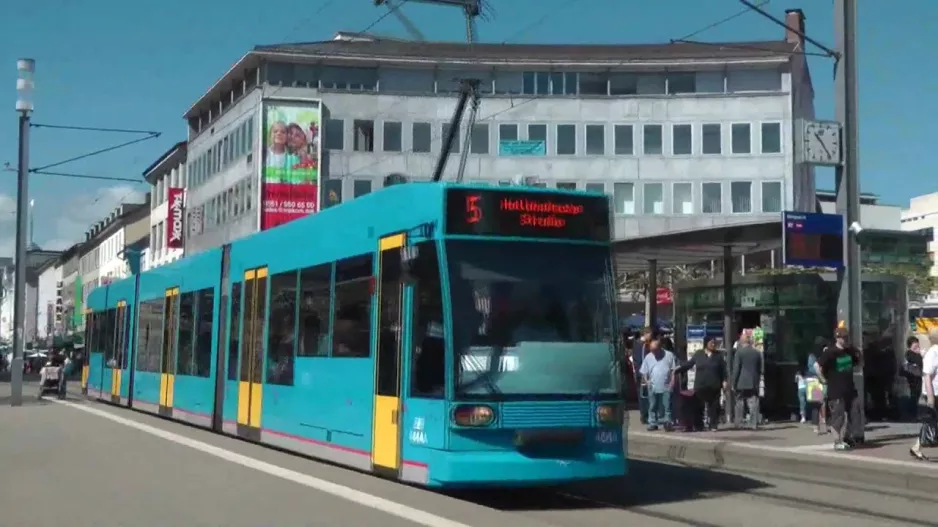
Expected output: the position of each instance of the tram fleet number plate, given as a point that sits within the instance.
(526, 214)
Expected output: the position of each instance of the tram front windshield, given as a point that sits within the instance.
(531, 319)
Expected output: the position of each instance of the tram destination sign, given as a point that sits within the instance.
(812, 239)
(510, 213)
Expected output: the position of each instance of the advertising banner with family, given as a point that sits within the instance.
(291, 162)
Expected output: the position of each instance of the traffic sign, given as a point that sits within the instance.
(811, 239)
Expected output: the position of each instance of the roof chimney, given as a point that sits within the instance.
(794, 18)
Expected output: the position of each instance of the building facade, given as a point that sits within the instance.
(49, 298)
(681, 136)
(922, 216)
(102, 261)
(72, 306)
(167, 176)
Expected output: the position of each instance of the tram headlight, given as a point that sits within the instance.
(473, 416)
(608, 414)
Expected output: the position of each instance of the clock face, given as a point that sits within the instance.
(822, 143)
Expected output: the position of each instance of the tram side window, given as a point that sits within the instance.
(351, 328)
(313, 338)
(204, 330)
(234, 333)
(428, 354)
(185, 357)
(169, 334)
(143, 335)
(110, 334)
(281, 329)
(155, 329)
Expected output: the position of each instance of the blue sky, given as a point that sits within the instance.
(139, 65)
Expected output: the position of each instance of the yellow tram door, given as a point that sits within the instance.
(168, 359)
(250, 386)
(386, 421)
(119, 345)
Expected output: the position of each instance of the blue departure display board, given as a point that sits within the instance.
(813, 240)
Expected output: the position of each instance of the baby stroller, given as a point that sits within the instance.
(49, 380)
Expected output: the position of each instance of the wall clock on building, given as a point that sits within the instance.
(820, 143)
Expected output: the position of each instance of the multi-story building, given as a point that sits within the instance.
(875, 215)
(167, 178)
(101, 259)
(72, 306)
(49, 297)
(682, 136)
(922, 216)
(36, 259)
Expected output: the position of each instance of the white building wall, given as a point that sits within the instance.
(112, 265)
(158, 253)
(47, 294)
(923, 214)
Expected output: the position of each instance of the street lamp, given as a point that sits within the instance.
(24, 106)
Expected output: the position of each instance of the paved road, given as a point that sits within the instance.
(104, 467)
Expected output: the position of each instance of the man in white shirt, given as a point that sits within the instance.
(929, 388)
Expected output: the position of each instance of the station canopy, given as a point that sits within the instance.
(696, 246)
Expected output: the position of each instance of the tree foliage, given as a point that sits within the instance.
(918, 279)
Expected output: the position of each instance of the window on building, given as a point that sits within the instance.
(566, 186)
(536, 83)
(332, 192)
(538, 132)
(363, 132)
(682, 83)
(313, 339)
(594, 84)
(682, 200)
(653, 198)
(454, 148)
(652, 140)
(711, 195)
(507, 132)
(352, 307)
(281, 328)
(595, 140)
(563, 83)
(392, 136)
(624, 139)
(422, 138)
(741, 196)
(711, 142)
(428, 355)
(771, 138)
(682, 139)
(204, 331)
(360, 187)
(623, 84)
(741, 138)
(599, 188)
(479, 140)
(334, 134)
(566, 139)
(771, 196)
(623, 196)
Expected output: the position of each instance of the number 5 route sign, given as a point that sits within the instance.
(813, 240)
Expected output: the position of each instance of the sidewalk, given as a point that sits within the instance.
(793, 450)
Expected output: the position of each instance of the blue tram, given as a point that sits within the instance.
(442, 334)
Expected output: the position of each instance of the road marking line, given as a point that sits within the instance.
(355, 496)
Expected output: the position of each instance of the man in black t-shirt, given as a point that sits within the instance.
(835, 369)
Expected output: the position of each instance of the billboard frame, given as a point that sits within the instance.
(265, 103)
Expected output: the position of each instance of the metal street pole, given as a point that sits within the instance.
(24, 86)
(849, 302)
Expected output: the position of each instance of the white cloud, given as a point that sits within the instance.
(74, 216)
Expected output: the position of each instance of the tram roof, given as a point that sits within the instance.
(698, 245)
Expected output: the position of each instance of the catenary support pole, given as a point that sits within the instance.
(19, 290)
(849, 301)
